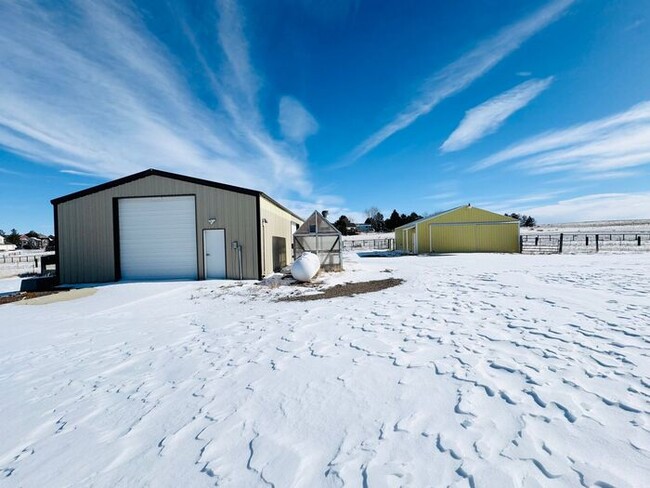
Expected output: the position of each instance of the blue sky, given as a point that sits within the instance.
(540, 107)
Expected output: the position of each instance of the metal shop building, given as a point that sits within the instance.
(160, 225)
(461, 229)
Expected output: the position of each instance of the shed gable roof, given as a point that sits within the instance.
(449, 213)
(320, 224)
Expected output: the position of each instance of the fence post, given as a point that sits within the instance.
(586, 240)
(536, 240)
(521, 244)
(596, 242)
(561, 242)
(638, 240)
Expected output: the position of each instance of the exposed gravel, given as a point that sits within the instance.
(346, 290)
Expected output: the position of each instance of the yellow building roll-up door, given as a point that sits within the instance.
(452, 238)
(475, 237)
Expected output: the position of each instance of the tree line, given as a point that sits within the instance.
(378, 223)
(524, 220)
(376, 220)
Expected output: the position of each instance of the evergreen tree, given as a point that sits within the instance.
(343, 224)
(379, 225)
(13, 238)
(524, 220)
(393, 221)
(375, 219)
(528, 221)
(412, 218)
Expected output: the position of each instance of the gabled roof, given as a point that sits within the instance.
(505, 218)
(436, 214)
(321, 225)
(173, 176)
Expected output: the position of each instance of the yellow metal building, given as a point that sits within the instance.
(461, 229)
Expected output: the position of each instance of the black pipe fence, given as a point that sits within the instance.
(581, 242)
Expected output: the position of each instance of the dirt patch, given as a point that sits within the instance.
(19, 296)
(45, 297)
(64, 296)
(347, 290)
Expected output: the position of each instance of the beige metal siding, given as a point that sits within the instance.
(85, 227)
(279, 224)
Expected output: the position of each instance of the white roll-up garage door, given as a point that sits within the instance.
(157, 238)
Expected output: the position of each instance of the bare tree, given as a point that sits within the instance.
(371, 212)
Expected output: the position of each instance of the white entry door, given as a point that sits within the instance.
(214, 250)
(157, 238)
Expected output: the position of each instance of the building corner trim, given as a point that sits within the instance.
(57, 255)
(258, 229)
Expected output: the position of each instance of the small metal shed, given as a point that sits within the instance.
(319, 236)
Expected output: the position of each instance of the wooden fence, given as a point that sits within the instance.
(369, 244)
(584, 242)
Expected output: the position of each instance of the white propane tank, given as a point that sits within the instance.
(305, 267)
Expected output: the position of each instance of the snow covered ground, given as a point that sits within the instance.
(479, 370)
(603, 227)
(8, 285)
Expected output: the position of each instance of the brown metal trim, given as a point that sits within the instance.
(173, 176)
(153, 172)
(116, 240)
(57, 261)
(260, 271)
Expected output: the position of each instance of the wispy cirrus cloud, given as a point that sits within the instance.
(295, 120)
(89, 88)
(334, 204)
(601, 206)
(610, 144)
(441, 196)
(458, 75)
(489, 116)
(610, 175)
(507, 204)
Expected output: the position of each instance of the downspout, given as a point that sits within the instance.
(264, 222)
(317, 238)
(241, 268)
